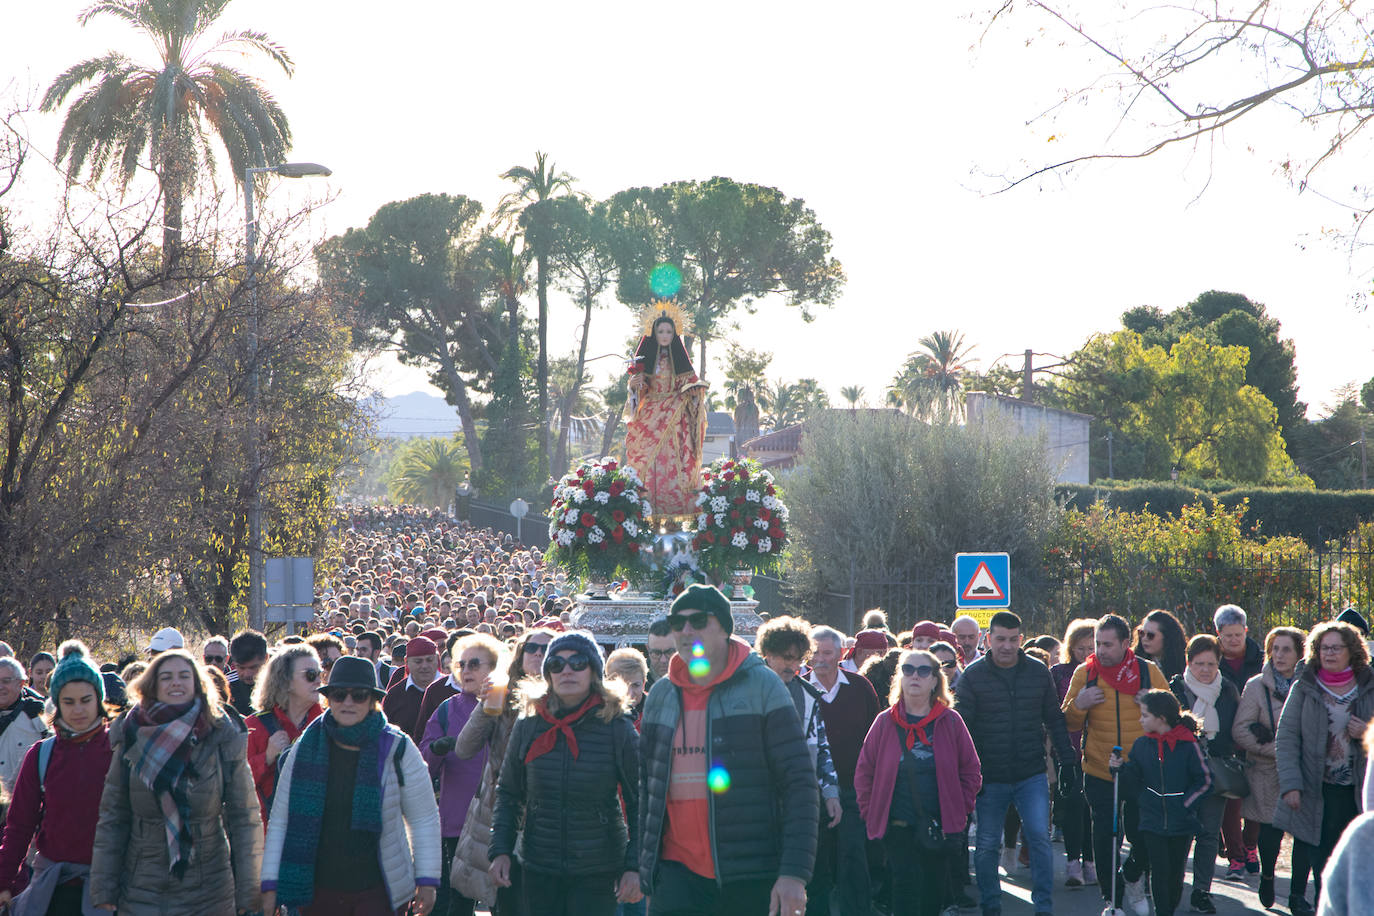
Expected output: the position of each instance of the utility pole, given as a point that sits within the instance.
(1364, 466)
(257, 608)
(1028, 380)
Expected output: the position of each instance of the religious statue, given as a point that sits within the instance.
(667, 425)
(746, 417)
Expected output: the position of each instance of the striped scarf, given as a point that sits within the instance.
(163, 737)
(309, 782)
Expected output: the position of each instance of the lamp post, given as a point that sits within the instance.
(256, 606)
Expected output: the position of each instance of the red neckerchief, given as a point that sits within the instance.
(1172, 737)
(1124, 678)
(898, 713)
(545, 742)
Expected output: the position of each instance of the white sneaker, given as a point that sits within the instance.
(1136, 900)
(1075, 874)
(1008, 861)
(1089, 873)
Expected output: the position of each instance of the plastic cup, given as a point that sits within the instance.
(495, 702)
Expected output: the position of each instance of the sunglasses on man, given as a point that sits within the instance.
(311, 675)
(917, 670)
(216, 660)
(576, 661)
(697, 620)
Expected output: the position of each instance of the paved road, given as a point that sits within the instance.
(1231, 897)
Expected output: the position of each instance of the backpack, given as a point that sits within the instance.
(44, 757)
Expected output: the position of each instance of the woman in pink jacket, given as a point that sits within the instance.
(917, 778)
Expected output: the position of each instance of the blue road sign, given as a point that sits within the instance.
(982, 580)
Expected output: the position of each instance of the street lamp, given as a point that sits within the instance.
(256, 607)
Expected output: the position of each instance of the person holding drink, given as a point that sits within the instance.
(488, 732)
(476, 658)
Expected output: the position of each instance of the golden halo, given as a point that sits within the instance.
(664, 307)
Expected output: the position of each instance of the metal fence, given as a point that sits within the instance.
(1297, 588)
(532, 530)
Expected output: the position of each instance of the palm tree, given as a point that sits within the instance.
(534, 186)
(427, 472)
(510, 273)
(853, 394)
(785, 403)
(931, 379)
(170, 110)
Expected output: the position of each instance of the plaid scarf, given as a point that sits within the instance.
(309, 781)
(163, 737)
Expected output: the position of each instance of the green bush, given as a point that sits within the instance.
(1189, 563)
(883, 501)
(1316, 516)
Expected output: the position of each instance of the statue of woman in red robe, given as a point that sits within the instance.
(664, 434)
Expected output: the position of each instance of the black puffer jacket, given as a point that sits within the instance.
(1008, 711)
(569, 808)
(1228, 703)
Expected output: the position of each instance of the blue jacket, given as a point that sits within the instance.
(1168, 786)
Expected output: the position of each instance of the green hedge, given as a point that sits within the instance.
(1316, 516)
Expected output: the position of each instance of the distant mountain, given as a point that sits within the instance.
(416, 414)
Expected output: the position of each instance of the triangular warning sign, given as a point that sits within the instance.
(983, 587)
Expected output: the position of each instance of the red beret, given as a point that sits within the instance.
(436, 635)
(870, 639)
(421, 646)
(926, 628)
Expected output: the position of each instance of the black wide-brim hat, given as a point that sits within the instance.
(354, 673)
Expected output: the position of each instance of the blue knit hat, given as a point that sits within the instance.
(74, 664)
(576, 641)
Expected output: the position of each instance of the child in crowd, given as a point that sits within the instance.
(1167, 775)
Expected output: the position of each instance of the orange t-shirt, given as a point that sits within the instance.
(687, 836)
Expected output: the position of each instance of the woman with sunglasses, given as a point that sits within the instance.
(917, 764)
(1160, 638)
(490, 734)
(352, 797)
(573, 757)
(288, 693)
(475, 658)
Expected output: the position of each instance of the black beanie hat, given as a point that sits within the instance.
(704, 598)
(1357, 620)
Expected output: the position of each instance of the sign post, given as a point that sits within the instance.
(289, 585)
(982, 584)
(519, 508)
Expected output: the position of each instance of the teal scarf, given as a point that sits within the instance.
(305, 808)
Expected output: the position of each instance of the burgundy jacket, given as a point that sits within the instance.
(958, 771)
(64, 816)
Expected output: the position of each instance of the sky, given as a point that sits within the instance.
(889, 120)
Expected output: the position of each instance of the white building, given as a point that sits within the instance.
(1067, 433)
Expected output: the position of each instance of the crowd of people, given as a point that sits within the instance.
(441, 738)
